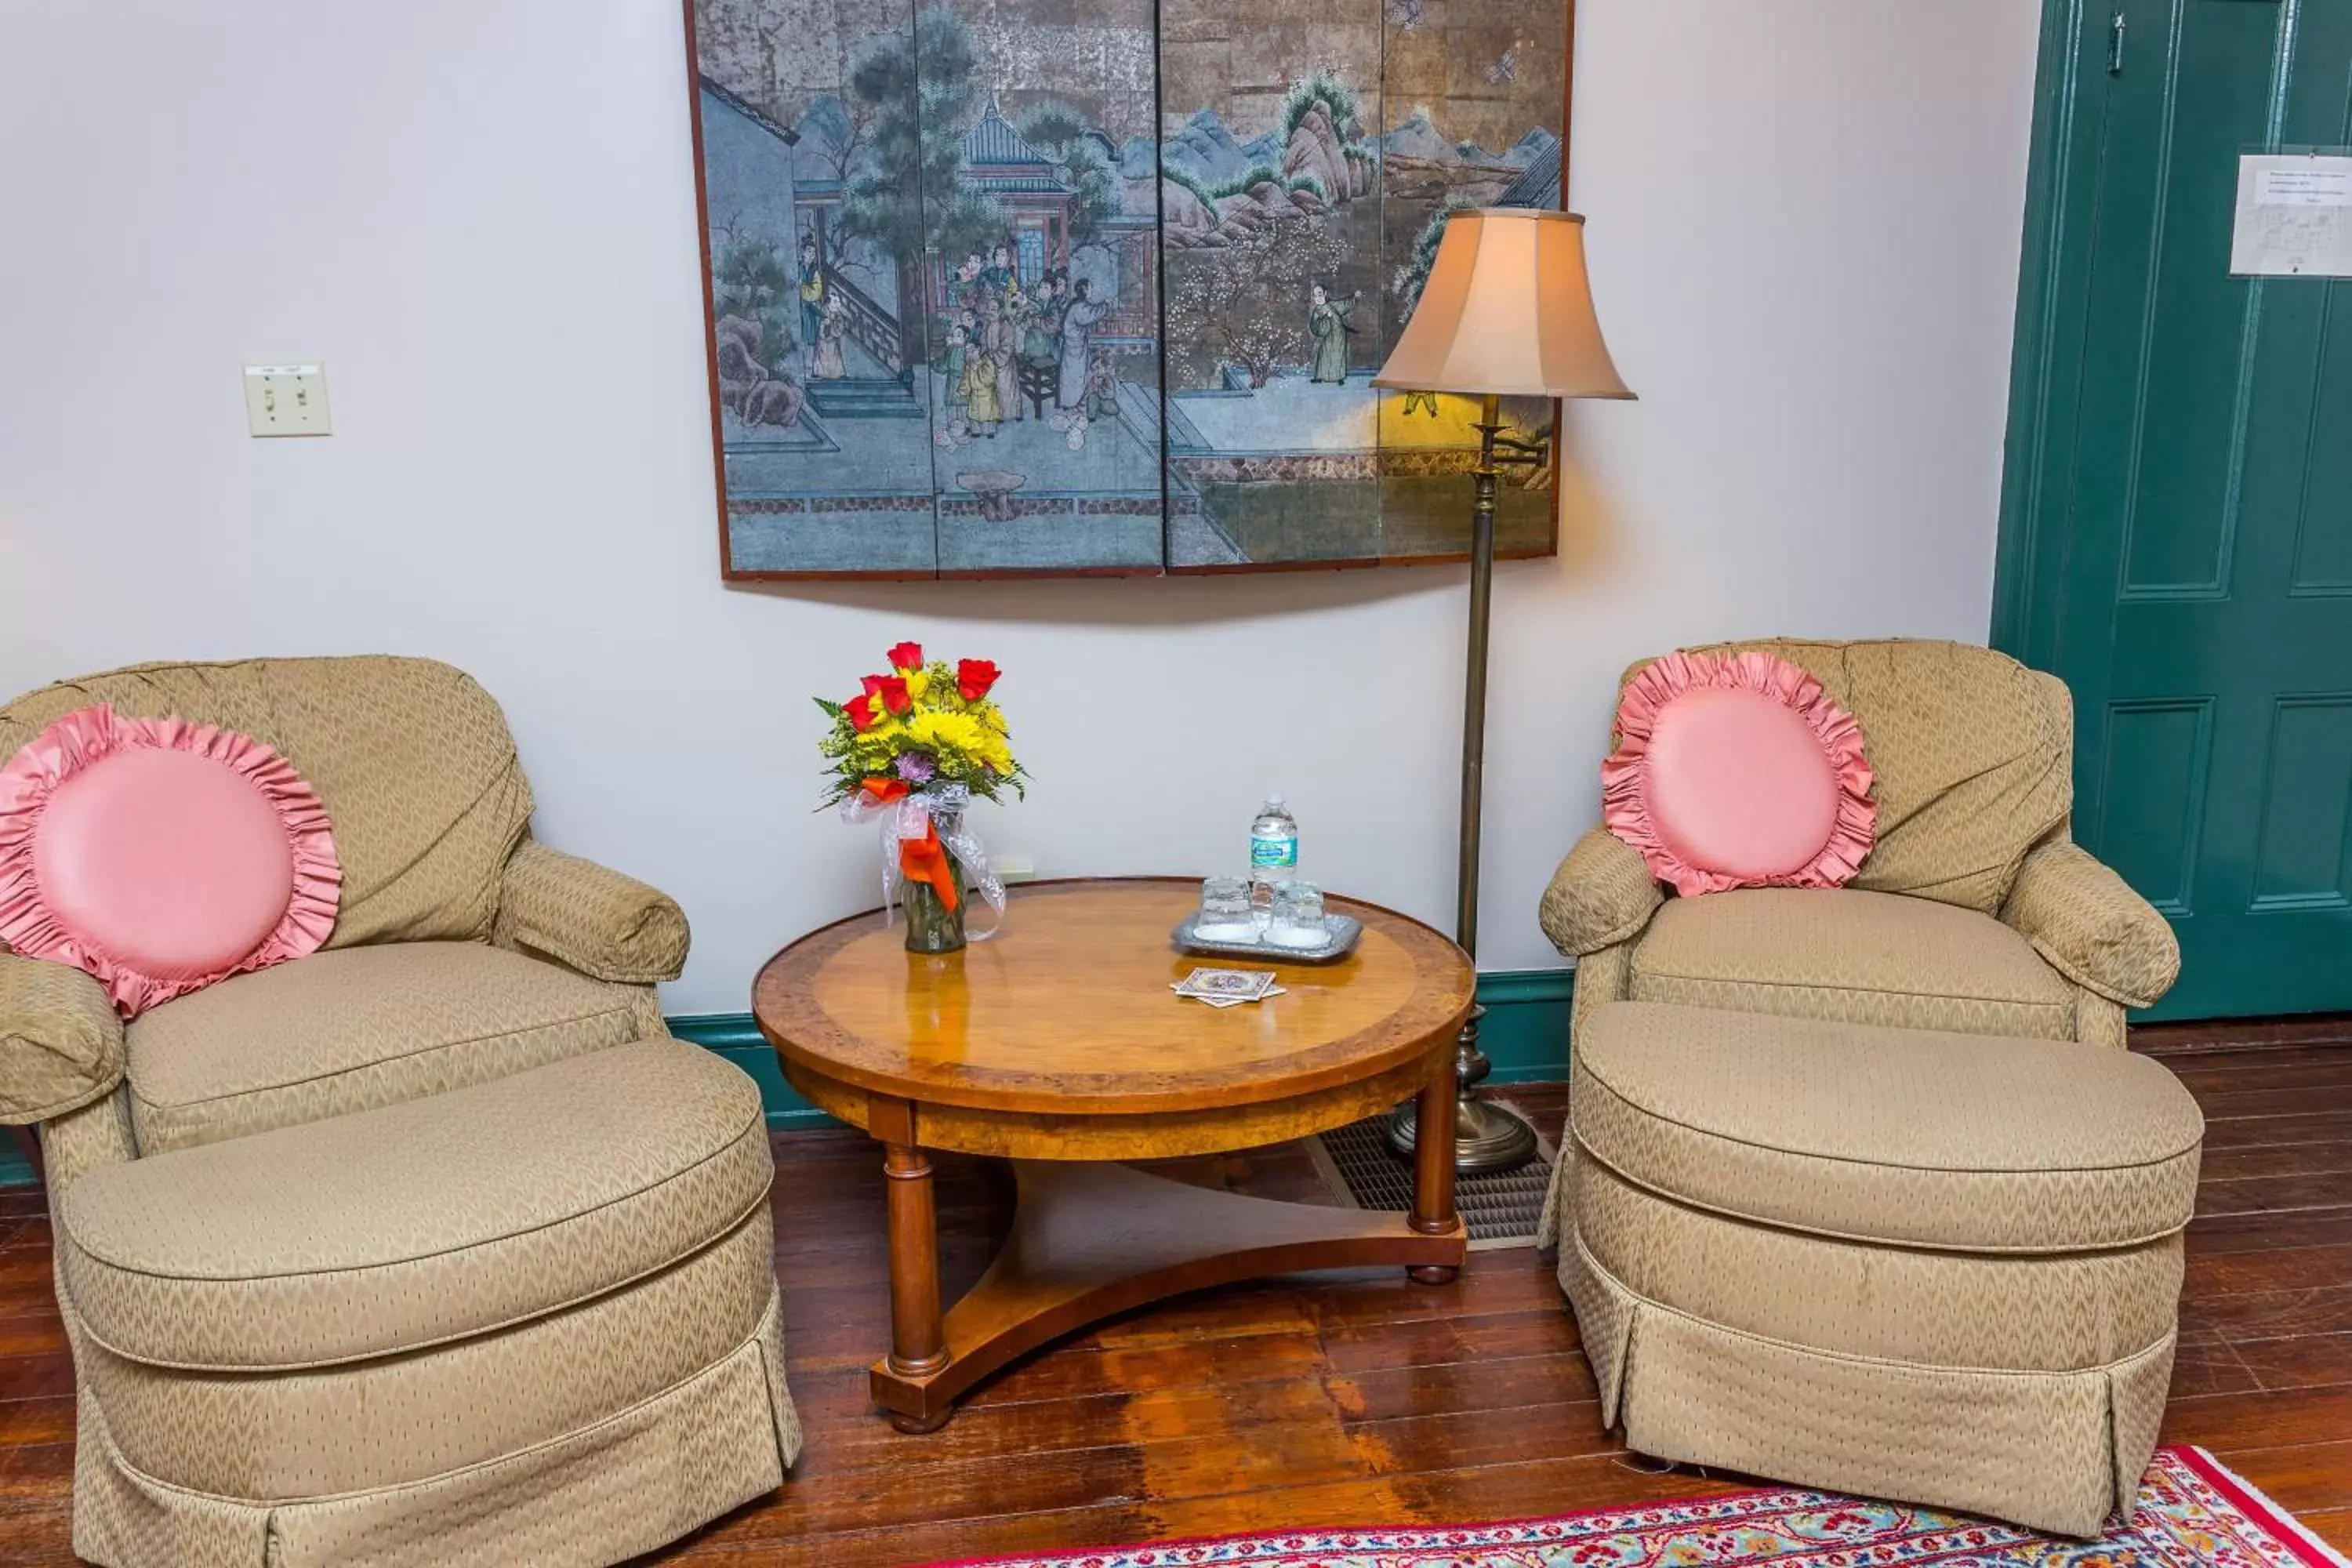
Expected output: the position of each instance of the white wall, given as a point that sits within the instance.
(1804, 236)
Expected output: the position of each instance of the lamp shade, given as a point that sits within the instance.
(1508, 309)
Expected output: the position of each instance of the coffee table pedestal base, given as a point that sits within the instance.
(1091, 1240)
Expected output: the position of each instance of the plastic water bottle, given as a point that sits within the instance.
(1274, 855)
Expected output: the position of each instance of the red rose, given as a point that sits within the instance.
(884, 790)
(860, 710)
(892, 689)
(906, 655)
(974, 676)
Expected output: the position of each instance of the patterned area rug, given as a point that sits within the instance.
(2192, 1513)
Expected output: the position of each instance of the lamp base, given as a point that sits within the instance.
(1487, 1137)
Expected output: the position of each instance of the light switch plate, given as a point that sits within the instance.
(286, 399)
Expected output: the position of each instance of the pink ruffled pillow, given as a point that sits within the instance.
(161, 855)
(1736, 771)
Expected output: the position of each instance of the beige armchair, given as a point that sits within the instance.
(433, 1246)
(1974, 913)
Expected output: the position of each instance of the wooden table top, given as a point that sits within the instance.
(1068, 1010)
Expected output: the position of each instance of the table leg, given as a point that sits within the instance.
(918, 1344)
(1433, 1170)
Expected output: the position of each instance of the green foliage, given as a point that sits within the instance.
(1051, 127)
(1174, 174)
(1260, 174)
(751, 279)
(1249, 179)
(1413, 273)
(1060, 133)
(918, 127)
(1336, 98)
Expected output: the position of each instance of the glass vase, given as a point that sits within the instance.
(931, 926)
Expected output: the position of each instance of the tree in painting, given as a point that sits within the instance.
(919, 87)
(1249, 300)
(1063, 134)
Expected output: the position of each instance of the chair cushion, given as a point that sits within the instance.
(357, 1027)
(1737, 772)
(159, 856)
(412, 760)
(1857, 957)
(1971, 752)
(415, 1223)
(1903, 1136)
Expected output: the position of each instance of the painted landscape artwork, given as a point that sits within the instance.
(1077, 286)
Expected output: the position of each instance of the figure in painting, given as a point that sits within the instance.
(812, 282)
(980, 408)
(1006, 350)
(1040, 332)
(832, 325)
(1424, 401)
(1077, 324)
(1327, 323)
(957, 427)
(998, 277)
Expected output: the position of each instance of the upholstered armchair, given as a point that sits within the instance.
(1973, 912)
(429, 1248)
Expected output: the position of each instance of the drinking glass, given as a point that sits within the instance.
(1224, 911)
(1297, 916)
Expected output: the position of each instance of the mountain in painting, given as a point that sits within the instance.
(1418, 138)
(1205, 149)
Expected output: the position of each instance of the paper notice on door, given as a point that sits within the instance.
(2295, 217)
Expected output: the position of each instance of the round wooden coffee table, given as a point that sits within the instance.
(1059, 1045)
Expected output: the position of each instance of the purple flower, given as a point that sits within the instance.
(914, 769)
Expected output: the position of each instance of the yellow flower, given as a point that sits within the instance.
(918, 681)
(946, 731)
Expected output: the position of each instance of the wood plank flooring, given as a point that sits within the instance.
(1358, 1398)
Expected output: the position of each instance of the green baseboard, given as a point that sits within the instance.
(1525, 1035)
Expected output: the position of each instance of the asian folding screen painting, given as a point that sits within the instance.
(1070, 285)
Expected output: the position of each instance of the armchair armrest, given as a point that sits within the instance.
(60, 1041)
(597, 921)
(2090, 926)
(1602, 894)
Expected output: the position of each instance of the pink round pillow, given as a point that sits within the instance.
(161, 855)
(1736, 771)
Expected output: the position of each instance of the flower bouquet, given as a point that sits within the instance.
(912, 750)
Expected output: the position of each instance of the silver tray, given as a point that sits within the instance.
(1343, 930)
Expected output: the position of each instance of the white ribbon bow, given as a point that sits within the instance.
(912, 819)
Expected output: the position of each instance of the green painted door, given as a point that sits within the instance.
(2177, 533)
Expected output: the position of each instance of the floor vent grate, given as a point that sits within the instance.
(1501, 1210)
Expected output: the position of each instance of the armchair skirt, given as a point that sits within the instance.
(1934, 1266)
(554, 1339)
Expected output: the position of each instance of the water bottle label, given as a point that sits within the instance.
(1282, 851)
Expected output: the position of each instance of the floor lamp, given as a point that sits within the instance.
(1506, 312)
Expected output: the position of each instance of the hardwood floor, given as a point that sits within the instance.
(1358, 1398)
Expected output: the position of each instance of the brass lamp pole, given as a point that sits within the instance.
(1507, 311)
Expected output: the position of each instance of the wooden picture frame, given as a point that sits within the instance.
(1105, 334)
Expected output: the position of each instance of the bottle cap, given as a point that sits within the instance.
(1274, 800)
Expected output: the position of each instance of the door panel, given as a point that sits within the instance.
(2300, 861)
(2152, 796)
(2178, 542)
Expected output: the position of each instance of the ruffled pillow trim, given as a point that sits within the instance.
(83, 737)
(1624, 803)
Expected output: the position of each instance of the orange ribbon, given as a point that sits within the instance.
(925, 859)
